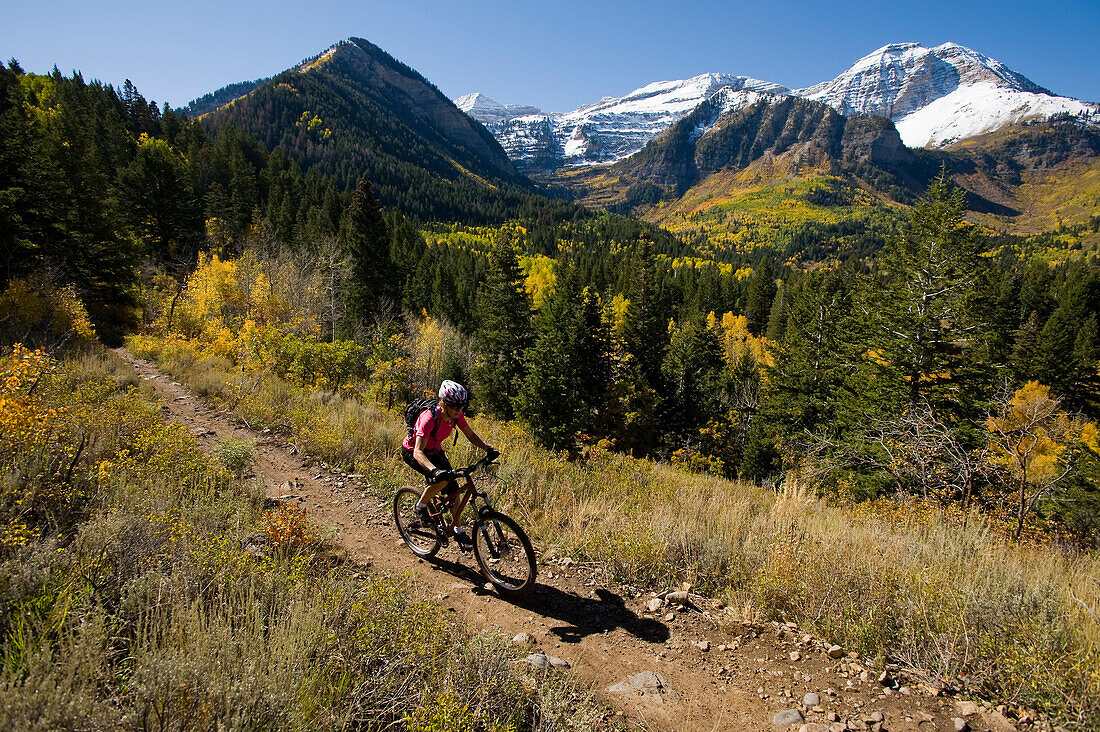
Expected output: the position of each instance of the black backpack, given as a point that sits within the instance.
(412, 413)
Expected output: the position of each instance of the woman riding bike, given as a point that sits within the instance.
(423, 452)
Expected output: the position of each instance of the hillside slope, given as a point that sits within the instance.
(714, 668)
(354, 109)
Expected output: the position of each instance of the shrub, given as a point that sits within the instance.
(235, 456)
(40, 315)
(289, 528)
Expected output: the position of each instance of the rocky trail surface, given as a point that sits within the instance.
(666, 661)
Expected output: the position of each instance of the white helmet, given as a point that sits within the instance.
(454, 394)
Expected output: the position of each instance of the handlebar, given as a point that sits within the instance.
(472, 467)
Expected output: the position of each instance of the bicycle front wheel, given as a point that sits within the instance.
(504, 553)
(423, 540)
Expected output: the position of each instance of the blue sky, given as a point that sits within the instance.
(555, 55)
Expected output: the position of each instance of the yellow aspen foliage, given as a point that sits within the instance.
(241, 310)
(429, 345)
(212, 296)
(1033, 431)
(28, 427)
(738, 341)
(619, 306)
(25, 423)
(540, 278)
(1031, 438)
(51, 315)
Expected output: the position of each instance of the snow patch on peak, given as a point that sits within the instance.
(468, 101)
(606, 131)
(489, 111)
(726, 101)
(975, 109)
(939, 95)
(901, 78)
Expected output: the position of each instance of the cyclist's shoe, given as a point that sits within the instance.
(464, 540)
(422, 515)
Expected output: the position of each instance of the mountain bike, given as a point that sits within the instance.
(501, 547)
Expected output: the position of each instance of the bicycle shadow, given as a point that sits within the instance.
(582, 616)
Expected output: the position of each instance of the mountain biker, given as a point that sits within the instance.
(423, 452)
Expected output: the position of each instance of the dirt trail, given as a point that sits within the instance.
(717, 676)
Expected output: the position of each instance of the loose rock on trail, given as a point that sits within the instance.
(659, 661)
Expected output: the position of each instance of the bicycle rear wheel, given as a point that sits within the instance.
(423, 540)
(504, 553)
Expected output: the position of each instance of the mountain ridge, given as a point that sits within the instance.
(354, 109)
(936, 97)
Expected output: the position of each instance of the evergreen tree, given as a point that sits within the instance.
(1083, 382)
(156, 197)
(777, 318)
(1026, 353)
(692, 372)
(759, 295)
(590, 342)
(1067, 348)
(820, 382)
(30, 188)
(83, 140)
(503, 333)
(365, 238)
(922, 302)
(568, 368)
(645, 331)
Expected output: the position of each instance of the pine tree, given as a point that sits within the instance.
(1083, 384)
(157, 200)
(503, 333)
(1026, 353)
(821, 382)
(365, 238)
(759, 295)
(645, 331)
(777, 318)
(692, 371)
(1067, 349)
(30, 189)
(922, 302)
(568, 370)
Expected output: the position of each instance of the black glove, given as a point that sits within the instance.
(491, 454)
(440, 474)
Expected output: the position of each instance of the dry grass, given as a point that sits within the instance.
(150, 590)
(944, 594)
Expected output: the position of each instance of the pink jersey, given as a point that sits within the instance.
(425, 423)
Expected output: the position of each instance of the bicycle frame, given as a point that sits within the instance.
(469, 491)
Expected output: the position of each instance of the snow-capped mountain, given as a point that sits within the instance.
(489, 111)
(940, 95)
(935, 96)
(604, 132)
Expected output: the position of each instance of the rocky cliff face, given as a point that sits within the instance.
(731, 130)
(605, 132)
